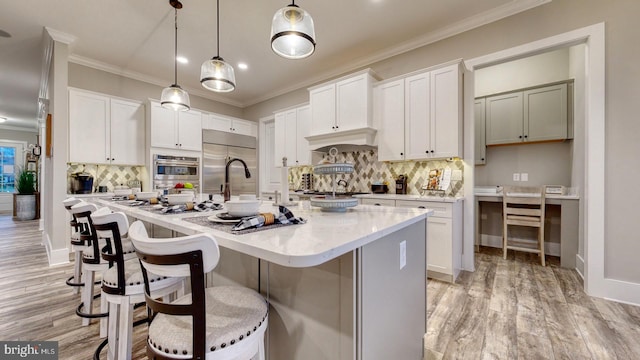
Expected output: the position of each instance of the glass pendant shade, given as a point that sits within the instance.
(217, 75)
(175, 98)
(292, 33)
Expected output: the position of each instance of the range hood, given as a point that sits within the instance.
(362, 136)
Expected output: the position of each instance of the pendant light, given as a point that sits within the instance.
(174, 97)
(216, 74)
(292, 32)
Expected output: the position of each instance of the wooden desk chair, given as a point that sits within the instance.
(220, 322)
(523, 206)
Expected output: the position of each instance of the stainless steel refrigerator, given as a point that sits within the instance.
(219, 147)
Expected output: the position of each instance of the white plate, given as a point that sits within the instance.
(216, 219)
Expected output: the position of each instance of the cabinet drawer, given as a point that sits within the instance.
(378, 202)
(440, 209)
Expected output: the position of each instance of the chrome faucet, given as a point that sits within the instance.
(227, 188)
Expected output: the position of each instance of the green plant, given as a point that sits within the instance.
(25, 182)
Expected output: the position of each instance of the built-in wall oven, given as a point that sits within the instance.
(170, 170)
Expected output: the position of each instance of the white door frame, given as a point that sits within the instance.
(20, 158)
(596, 284)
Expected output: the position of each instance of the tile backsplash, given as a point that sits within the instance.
(107, 175)
(367, 170)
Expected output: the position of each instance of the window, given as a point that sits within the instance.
(7, 168)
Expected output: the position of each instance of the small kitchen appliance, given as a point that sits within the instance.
(81, 183)
(401, 184)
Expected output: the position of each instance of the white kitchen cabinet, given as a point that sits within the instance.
(378, 202)
(431, 110)
(342, 105)
(105, 130)
(532, 115)
(480, 134)
(231, 125)
(291, 128)
(175, 129)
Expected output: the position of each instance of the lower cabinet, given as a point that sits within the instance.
(444, 235)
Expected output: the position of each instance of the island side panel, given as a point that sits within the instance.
(392, 316)
(312, 310)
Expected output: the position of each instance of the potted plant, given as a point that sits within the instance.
(25, 195)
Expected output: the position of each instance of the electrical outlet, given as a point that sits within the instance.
(456, 175)
(524, 177)
(516, 176)
(403, 254)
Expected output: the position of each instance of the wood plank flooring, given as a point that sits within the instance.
(507, 309)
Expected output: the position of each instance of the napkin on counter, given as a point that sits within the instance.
(284, 217)
(174, 209)
(207, 205)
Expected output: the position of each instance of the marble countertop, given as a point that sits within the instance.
(324, 237)
(410, 197)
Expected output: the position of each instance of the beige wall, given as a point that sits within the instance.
(28, 136)
(622, 94)
(87, 78)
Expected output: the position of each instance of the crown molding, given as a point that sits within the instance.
(99, 65)
(60, 36)
(470, 23)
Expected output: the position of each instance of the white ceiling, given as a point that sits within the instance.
(135, 38)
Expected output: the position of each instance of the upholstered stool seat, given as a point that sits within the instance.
(233, 314)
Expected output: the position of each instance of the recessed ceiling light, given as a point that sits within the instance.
(2, 119)
(243, 66)
(182, 60)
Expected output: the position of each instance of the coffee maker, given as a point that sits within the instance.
(81, 183)
(401, 184)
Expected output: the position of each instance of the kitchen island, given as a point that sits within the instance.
(348, 285)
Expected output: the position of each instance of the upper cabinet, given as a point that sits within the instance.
(175, 129)
(291, 129)
(342, 111)
(230, 125)
(117, 128)
(531, 115)
(480, 134)
(420, 116)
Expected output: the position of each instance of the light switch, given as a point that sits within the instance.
(524, 177)
(403, 254)
(516, 176)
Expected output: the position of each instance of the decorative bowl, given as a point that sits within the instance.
(175, 199)
(146, 195)
(242, 207)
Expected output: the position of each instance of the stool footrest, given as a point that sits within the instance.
(81, 313)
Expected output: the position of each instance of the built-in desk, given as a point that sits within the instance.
(569, 224)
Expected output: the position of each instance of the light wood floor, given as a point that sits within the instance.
(507, 309)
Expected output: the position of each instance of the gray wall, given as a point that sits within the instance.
(29, 137)
(622, 94)
(87, 78)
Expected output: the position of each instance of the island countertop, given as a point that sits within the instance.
(325, 235)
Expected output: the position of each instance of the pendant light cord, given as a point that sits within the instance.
(218, 24)
(175, 54)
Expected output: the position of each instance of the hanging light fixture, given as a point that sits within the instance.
(292, 33)
(216, 74)
(174, 97)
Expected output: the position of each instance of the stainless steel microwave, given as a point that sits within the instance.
(169, 170)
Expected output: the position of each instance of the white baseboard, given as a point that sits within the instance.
(552, 249)
(623, 292)
(580, 266)
(56, 256)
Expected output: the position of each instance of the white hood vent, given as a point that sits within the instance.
(363, 136)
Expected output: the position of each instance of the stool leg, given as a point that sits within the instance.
(77, 270)
(261, 355)
(113, 330)
(87, 295)
(104, 321)
(125, 328)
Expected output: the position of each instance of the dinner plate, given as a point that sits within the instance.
(226, 216)
(214, 218)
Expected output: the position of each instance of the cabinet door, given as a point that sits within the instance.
(303, 126)
(323, 109)
(417, 112)
(280, 138)
(353, 103)
(290, 141)
(504, 119)
(190, 130)
(272, 176)
(163, 127)
(439, 239)
(545, 113)
(127, 133)
(88, 123)
(479, 120)
(243, 127)
(389, 114)
(219, 123)
(446, 112)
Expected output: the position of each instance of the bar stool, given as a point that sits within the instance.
(225, 322)
(77, 245)
(123, 283)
